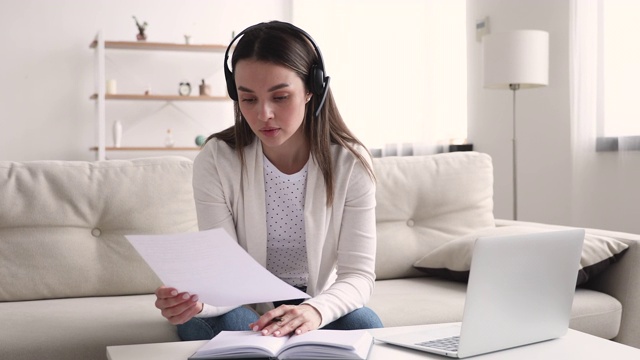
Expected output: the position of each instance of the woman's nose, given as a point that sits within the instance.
(265, 112)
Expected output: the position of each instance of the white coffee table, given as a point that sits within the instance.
(574, 345)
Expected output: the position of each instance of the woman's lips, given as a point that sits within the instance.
(270, 132)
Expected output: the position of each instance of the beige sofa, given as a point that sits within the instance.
(72, 285)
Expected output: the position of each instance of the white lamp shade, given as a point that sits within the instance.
(516, 57)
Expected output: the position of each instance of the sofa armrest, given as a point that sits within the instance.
(621, 280)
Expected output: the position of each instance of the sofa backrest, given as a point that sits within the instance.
(425, 201)
(62, 224)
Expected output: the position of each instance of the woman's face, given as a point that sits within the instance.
(272, 99)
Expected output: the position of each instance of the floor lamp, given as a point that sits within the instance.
(516, 60)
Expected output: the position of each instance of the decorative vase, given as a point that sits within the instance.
(168, 140)
(117, 134)
(112, 87)
(205, 89)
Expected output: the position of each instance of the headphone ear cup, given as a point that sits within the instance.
(316, 80)
(231, 89)
(231, 84)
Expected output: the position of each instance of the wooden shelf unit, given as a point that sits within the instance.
(144, 45)
(100, 96)
(148, 148)
(152, 97)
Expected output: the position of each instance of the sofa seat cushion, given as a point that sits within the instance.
(429, 300)
(80, 328)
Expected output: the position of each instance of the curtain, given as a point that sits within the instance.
(604, 183)
(583, 93)
(584, 72)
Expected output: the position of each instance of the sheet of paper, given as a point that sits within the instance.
(211, 264)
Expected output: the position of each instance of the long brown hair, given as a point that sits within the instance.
(280, 44)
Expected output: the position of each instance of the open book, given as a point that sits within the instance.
(318, 344)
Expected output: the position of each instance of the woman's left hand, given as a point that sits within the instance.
(288, 319)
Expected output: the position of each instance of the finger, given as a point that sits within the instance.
(286, 324)
(304, 328)
(171, 301)
(186, 315)
(276, 320)
(185, 307)
(288, 327)
(307, 319)
(164, 292)
(297, 317)
(175, 301)
(270, 317)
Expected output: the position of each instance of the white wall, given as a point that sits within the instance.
(47, 70)
(608, 195)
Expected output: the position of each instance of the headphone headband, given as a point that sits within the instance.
(317, 82)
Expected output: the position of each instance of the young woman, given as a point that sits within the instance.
(293, 185)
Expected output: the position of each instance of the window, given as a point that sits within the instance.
(398, 68)
(620, 68)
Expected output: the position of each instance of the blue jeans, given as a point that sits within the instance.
(206, 328)
(240, 318)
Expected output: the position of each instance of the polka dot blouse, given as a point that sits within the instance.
(286, 241)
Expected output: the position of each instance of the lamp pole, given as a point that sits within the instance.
(514, 88)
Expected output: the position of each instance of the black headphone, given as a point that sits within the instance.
(317, 82)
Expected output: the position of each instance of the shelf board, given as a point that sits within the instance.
(145, 45)
(148, 148)
(160, 97)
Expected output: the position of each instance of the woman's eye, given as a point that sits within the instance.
(281, 98)
(248, 100)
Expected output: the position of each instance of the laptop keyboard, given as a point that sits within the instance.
(446, 344)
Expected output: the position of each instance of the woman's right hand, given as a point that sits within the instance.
(175, 306)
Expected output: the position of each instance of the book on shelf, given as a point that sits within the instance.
(317, 344)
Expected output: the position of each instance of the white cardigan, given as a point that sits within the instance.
(341, 239)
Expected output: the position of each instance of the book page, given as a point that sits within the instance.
(240, 343)
(319, 344)
(212, 265)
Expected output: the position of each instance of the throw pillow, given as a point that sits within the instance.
(453, 260)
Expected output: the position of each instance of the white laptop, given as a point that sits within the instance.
(520, 291)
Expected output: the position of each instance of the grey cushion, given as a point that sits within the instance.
(453, 259)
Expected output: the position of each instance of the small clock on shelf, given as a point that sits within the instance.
(184, 89)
